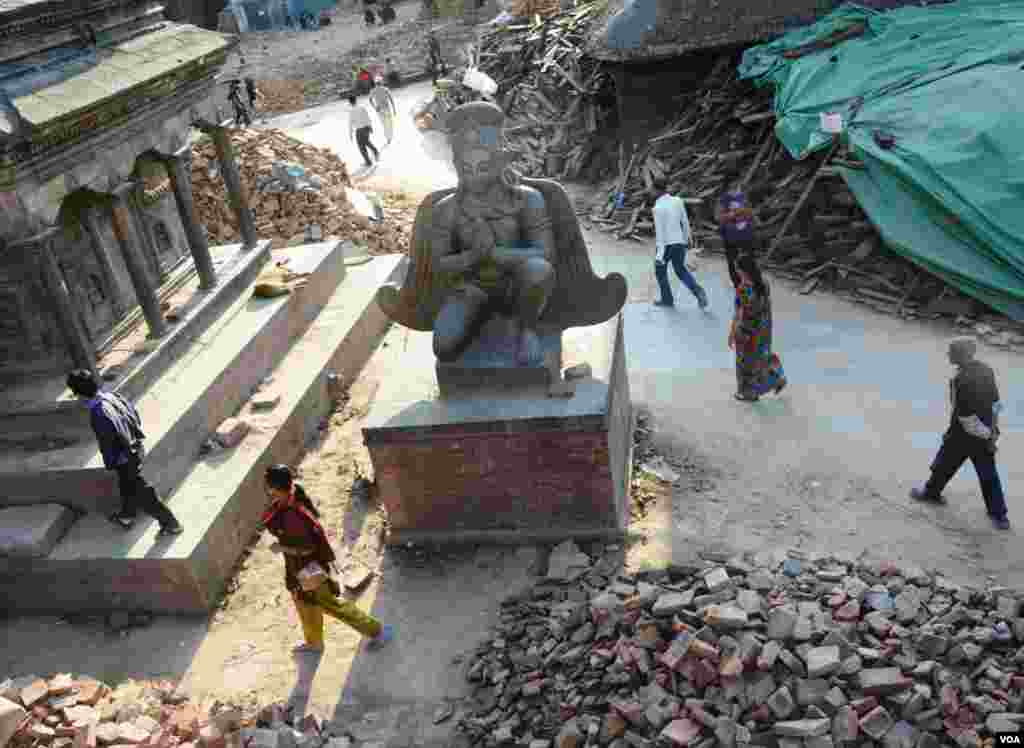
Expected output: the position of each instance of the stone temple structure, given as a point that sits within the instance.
(89, 91)
(104, 265)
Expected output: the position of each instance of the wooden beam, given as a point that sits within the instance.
(799, 203)
(768, 139)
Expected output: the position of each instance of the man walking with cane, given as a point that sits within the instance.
(672, 239)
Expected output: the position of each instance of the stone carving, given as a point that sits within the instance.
(498, 244)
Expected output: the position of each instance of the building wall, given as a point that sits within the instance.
(197, 12)
(649, 95)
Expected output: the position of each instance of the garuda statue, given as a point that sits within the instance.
(497, 244)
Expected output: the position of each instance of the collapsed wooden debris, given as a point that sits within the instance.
(552, 94)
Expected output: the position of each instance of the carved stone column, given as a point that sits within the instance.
(91, 221)
(132, 249)
(39, 251)
(233, 182)
(178, 170)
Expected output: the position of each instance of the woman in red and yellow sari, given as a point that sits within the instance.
(294, 521)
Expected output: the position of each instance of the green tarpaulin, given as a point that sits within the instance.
(946, 83)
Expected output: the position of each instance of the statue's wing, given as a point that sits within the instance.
(415, 302)
(580, 297)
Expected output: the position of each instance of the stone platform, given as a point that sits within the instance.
(332, 325)
(196, 377)
(496, 465)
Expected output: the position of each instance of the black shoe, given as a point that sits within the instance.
(1001, 523)
(168, 530)
(660, 302)
(122, 520)
(918, 494)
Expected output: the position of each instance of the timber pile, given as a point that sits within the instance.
(810, 225)
(549, 91)
(286, 215)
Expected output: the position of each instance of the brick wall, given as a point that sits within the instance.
(517, 481)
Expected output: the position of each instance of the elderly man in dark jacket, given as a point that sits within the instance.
(972, 433)
(118, 430)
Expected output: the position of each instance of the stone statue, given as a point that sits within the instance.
(497, 244)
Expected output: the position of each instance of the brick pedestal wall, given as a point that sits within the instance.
(508, 479)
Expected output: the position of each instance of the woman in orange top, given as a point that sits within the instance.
(294, 521)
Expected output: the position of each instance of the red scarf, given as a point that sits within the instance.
(291, 502)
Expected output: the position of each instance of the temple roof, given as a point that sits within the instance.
(77, 80)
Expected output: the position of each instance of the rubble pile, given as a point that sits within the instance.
(68, 712)
(285, 208)
(810, 225)
(556, 99)
(778, 649)
(280, 96)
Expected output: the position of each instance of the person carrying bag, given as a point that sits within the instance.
(294, 521)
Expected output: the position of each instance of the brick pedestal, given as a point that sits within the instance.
(506, 467)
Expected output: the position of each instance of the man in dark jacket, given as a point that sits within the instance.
(118, 430)
(972, 433)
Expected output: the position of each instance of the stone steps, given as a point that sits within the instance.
(219, 499)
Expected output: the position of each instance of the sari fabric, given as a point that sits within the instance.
(758, 370)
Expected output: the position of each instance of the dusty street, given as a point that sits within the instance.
(824, 467)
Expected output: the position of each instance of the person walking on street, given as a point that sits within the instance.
(672, 240)
(118, 429)
(437, 66)
(360, 124)
(735, 217)
(295, 522)
(972, 434)
(758, 370)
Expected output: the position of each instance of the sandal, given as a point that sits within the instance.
(175, 529)
(746, 398)
(122, 520)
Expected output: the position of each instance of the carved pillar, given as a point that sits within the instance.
(178, 170)
(132, 249)
(91, 221)
(39, 249)
(233, 182)
(145, 233)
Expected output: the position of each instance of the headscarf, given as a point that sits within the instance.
(962, 350)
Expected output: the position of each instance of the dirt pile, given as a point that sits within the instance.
(767, 650)
(557, 100)
(285, 212)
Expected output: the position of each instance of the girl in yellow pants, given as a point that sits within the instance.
(293, 520)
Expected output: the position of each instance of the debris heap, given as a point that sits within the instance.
(552, 93)
(779, 649)
(809, 223)
(286, 214)
(68, 712)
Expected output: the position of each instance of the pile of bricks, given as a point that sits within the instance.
(68, 712)
(285, 216)
(786, 650)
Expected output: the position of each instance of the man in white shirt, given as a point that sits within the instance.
(672, 239)
(359, 123)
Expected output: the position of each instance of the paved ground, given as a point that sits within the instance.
(826, 466)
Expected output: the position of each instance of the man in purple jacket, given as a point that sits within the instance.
(118, 430)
